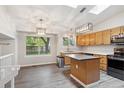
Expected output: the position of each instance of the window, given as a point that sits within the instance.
(69, 41)
(37, 45)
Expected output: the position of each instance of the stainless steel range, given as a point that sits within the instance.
(116, 64)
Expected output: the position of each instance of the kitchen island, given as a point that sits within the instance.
(84, 69)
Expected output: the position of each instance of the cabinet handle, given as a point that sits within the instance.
(76, 66)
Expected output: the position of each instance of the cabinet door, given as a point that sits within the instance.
(103, 62)
(103, 67)
(78, 40)
(99, 39)
(75, 68)
(122, 30)
(92, 39)
(67, 60)
(106, 37)
(87, 39)
(83, 39)
(115, 31)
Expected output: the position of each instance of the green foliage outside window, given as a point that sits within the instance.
(68, 41)
(37, 45)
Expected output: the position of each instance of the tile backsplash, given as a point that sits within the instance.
(106, 49)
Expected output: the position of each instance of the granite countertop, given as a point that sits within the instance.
(81, 56)
(71, 52)
(82, 52)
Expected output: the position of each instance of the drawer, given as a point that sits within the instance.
(103, 61)
(103, 67)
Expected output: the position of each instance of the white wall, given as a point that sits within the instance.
(117, 20)
(0, 50)
(35, 60)
(7, 25)
(6, 49)
(60, 46)
(7, 28)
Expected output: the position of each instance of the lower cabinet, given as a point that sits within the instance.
(103, 62)
(67, 60)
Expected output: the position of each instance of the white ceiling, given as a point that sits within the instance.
(57, 18)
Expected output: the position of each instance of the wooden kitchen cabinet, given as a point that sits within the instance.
(83, 40)
(67, 60)
(122, 29)
(106, 37)
(103, 62)
(92, 39)
(80, 40)
(99, 38)
(115, 31)
(86, 40)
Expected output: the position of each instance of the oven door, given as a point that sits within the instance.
(116, 63)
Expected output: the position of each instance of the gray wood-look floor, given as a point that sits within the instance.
(47, 76)
(50, 76)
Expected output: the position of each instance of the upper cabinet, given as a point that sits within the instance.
(99, 38)
(92, 39)
(115, 31)
(106, 36)
(122, 29)
(80, 40)
(87, 40)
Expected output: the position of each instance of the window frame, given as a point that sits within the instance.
(50, 54)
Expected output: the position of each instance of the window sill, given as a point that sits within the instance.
(37, 55)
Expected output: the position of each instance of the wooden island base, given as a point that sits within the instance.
(85, 69)
(84, 85)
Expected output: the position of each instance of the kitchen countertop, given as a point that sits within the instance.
(71, 52)
(81, 56)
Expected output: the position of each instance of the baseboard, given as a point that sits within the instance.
(84, 85)
(29, 65)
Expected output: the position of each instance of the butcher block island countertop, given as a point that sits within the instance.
(85, 69)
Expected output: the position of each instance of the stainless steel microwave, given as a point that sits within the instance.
(118, 39)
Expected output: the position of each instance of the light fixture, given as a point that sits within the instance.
(98, 9)
(40, 30)
(84, 28)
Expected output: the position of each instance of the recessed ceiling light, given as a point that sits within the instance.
(98, 9)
